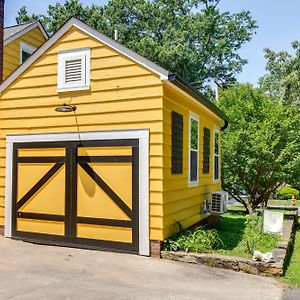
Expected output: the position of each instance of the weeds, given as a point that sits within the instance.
(198, 240)
(234, 234)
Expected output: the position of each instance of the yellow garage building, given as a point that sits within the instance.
(102, 148)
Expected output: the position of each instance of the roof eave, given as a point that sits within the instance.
(27, 29)
(183, 85)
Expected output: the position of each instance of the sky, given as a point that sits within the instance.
(278, 21)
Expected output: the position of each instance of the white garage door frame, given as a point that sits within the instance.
(141, 134)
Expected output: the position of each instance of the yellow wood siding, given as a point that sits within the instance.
(11, 55)
(181, 202)
(123, 95)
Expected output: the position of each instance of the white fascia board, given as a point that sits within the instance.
(25, 30)
(163, 73)
(94, 33)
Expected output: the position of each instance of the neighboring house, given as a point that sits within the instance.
(102, 148)
(20, 41)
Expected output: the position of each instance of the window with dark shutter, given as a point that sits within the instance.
(206, 150)
(177, 142)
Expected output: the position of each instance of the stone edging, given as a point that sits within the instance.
(241, 264)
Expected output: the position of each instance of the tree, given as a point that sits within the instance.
(283, 75)
(189, 37)
(261, 146)
(23, 16)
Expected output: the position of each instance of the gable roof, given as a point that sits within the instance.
(13, 32)
(164, 74)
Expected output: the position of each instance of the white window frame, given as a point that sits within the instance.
(216, 130)
(194, 117)
(26, 48)
(85, 55)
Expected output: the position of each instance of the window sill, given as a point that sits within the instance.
(193, 184)
(73, 89)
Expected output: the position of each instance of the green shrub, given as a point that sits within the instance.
(286, 193)
(254, 238)
(198, 240)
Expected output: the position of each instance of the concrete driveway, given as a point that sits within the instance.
(29, 271)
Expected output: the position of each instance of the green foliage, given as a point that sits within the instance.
(189, 37)
(241, 235)
(254, 238)
(283, 74)
(292, 274)
(234, 234)
(287, 192)
(198, 240)
(23, 16)
(261, 146)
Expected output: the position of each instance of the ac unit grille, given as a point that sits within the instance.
(73, 70)
(216, 202)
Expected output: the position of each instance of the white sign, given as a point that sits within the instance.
(273, 222)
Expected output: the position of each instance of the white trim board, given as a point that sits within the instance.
(193, 116)
(141, 134)
(216, 130)
(25, 30)
(95, 34)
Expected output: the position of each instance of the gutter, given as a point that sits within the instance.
(180, 83)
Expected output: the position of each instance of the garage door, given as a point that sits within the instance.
(77, 193)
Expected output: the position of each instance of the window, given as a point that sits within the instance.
(216, 155)
(177, 142)
(194, 150)
(25, 51)
(206, 150)
(74, 70)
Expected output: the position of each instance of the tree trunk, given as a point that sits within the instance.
(249, 208)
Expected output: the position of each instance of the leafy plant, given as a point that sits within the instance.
(235, 234)
(198, 240)
(261, 146)
(254, 238)
(287, 192)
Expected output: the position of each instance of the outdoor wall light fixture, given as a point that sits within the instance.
(65, 108)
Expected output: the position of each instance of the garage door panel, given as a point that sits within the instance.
(33, 173)
(118, 176)
(92, 201)
(105, 233)
(42, 152)
(105, 151)
(80, 193)
(50, 198)
(41, 226)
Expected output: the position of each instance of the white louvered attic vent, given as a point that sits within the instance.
(74, 70)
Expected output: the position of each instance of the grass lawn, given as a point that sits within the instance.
(232, 235)
(282, 202)
(240, 240)
(239, 207)
(292, 274)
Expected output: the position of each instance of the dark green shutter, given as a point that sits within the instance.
(177, 142)
(206, 150)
